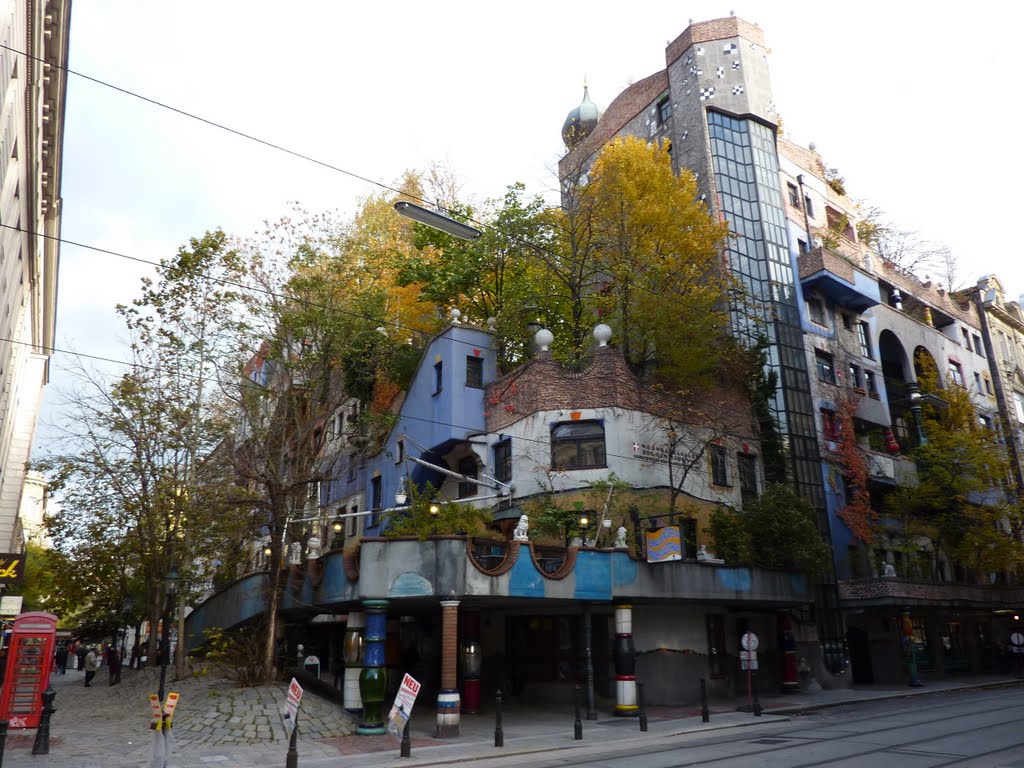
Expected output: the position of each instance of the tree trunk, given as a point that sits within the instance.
(273, 599)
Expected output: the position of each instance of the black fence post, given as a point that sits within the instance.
(406, 749)
(705, 714)
(292, 761)
(757, 702)
(42, 742)
(641, 705)
(499, 734)
(578, 724)
(3, 739)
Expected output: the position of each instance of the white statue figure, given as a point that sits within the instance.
(295, 553)
(522, 527)
(620, 538)
(313, 548)
(703, 556)
(888, 571)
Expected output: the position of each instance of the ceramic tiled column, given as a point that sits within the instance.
(373, 678)
(448, 702)
(353, 651)
(625, 663)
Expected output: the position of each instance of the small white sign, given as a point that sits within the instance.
(1017, 638)
(402, 707)
(749, 641)
(10, 605)
(292, 704)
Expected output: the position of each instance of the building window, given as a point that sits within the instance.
(967, 338)
(978, 348)
(719, 465)
(351, 468)
(864, 339)
(977, 381)
(503, 461)
(474, 371)
(400, 451)
(717, 661)
(816, 310)
(794, 195)
(468, 467)
(352, 523)
(746, 468)
(829, 425)
(802, 245)
(956, 373)
(1018, 406)
(847, 322)
(577, 445)
(438, 376)
(664, 110)
(869, 383)
(808, 206)
(375, 501)
(826, 367)
(855, 379)
(985, 421)
(988, 385)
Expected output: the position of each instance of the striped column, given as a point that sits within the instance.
(448, 702)
(373, 678)
(353, 654)
(625, 663)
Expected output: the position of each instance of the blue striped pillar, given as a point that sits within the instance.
(373, 678)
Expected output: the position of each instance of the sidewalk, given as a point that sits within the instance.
(107, 727)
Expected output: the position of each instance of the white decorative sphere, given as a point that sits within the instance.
(456, 314)
(543, 338)
(491, 322)
(603, 334)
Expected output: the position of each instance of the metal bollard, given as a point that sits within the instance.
(292, 760)
(642, 706)
(3, 739)
(499, 734)
(578, 725)
(705, 714)
(406, 749)
(42, 742)
(757, 703)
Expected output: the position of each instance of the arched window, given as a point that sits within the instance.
(577, 445)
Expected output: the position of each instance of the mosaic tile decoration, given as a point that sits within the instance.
(737, 90)
(729, 48)
(736, 64)
(700, 51)
(721, 72)
(707, 93)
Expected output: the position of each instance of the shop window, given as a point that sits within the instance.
(577, 445)
(717, 662)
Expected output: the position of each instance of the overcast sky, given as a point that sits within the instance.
(913, 106)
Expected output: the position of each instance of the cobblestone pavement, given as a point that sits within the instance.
(107, 725)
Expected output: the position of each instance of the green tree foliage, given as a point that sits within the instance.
(777, 530)
(450, 517)
(959, 499)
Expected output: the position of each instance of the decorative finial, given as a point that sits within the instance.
(492, 322)
(456, 314)
(602, 333)
(543, 338)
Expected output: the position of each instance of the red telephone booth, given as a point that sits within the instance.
(27, 670)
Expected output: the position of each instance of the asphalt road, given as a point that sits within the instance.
(976, 729)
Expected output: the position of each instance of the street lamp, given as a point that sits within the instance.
(165, 638)
(338, 528)
(436, 220)
(435, 510)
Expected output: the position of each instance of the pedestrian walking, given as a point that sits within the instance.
(133, 660)
(82, 651)
(91, 665)
(62, 659)
(114, 665)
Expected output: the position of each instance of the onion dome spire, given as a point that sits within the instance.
(581, 121)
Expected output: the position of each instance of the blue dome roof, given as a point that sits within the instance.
(581, 121)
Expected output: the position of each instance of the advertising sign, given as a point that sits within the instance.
(402, 707)
(12, 567)
(10, 605)
(664, 544)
